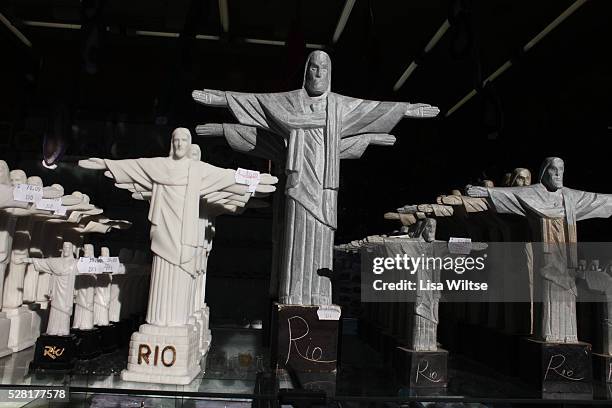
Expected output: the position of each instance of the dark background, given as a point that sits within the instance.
(104, 90)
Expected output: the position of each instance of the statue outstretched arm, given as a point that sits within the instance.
(210, 97)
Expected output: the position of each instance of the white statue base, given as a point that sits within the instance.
(5, 328)
(163, 355)
(20, 333)
(202, 318)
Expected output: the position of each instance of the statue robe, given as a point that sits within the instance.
(176, 187)
(553, 217)
(313, 128)
(64, 271)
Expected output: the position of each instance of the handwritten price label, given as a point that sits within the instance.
(49, 204)
(248, 177)
(27, 193)
(330, 312)
(110, 264)
(461, 246)
(89, 266)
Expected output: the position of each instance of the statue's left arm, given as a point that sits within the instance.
(592, 205)
(361, 116)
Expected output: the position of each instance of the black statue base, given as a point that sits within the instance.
(88, 343)
(421, 369)
(301, 341)
(109, 338)
(602, 368)
(55, 352)
(556, 368)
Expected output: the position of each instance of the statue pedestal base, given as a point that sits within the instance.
(602, 368)
(202, 319)
(302, 341)
(20, 334)
(163, 355)
(557, 368)
(421, 369)
(55, 352)
(5, 327)
(88, 343)
(108, 338)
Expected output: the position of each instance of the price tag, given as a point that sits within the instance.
(27, 193)
(110, 264)
(461, 246)
(248, 177)
(89, 266)
(49, 204)
(329, 312)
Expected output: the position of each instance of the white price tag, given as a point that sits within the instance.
(27, 193)
(329, 312)
(49, 204)
(89, 266)
(110, 264)
(461, 246)
(248, 177)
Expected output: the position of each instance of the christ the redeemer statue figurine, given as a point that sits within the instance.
(313, 121)
(553, 210)
(177, 184)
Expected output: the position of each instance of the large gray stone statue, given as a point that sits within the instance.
(553, 209)
(315, 124)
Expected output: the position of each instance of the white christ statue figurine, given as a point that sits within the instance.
(313, 122)
(553, 210)
(62, 291)
(84, 296)
(102, 294)
(177, 184)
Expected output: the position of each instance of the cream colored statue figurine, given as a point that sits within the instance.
(64, 271)
(177, 184)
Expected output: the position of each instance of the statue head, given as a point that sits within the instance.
(181, 140)
(551, 173)
(67, 250)
(17, 177)
(104, 251)
(520, 177)
(88, 251)
(455, 192)
(35, 181)
(488, 183)
(195, 153)
(317, 74)
(4, 173)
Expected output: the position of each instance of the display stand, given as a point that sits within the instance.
(302, 341)
(421, 369)
(164, 355)
(602, 368)
(557, 369)
(55, 352)
(88, 343)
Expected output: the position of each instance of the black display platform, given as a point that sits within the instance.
(55, 352)
(109, 338)
(302, 342)
(421, 369)
(602, 368)
(557, 368)
(88, 343)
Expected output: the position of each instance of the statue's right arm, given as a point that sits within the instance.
(210, 97)
(93, 164)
